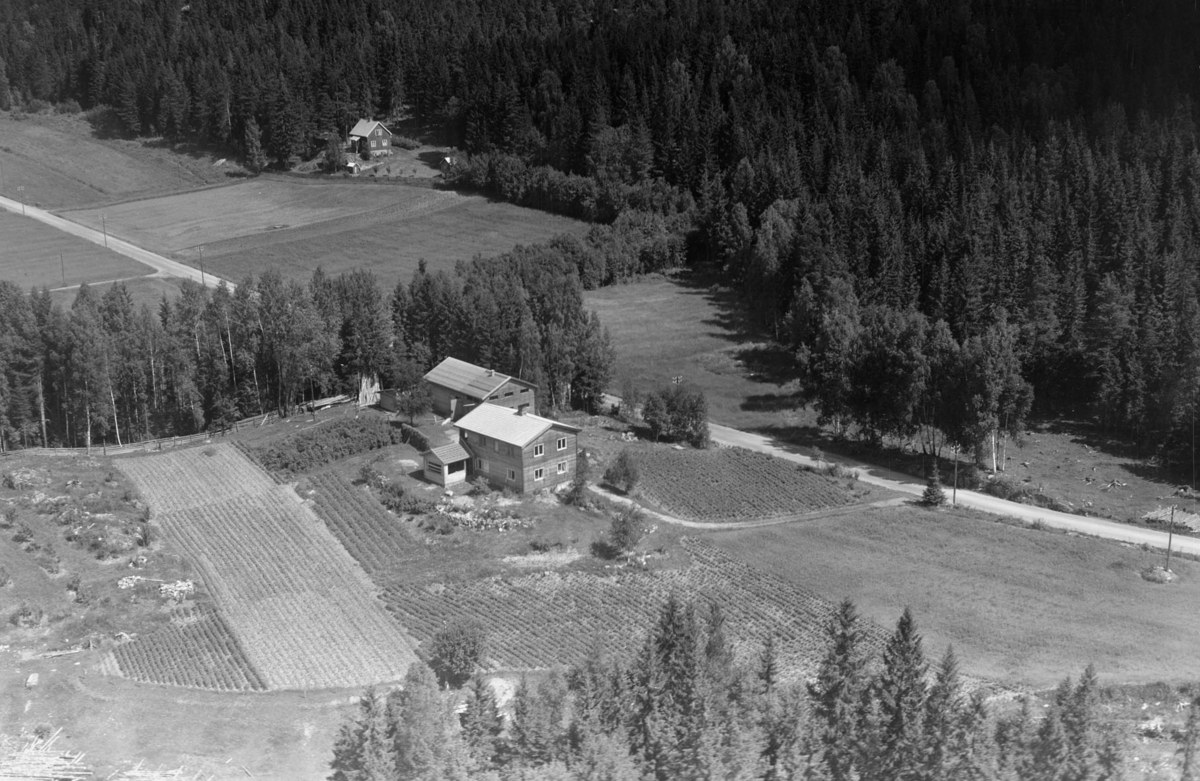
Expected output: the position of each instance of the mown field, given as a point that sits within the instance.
(62, 162)
(306, 615)
(1018, 604)
(30, 250)
(296, 225)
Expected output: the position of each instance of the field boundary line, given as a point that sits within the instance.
(727, 525)
(139, 198)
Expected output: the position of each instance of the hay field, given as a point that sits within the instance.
(1019, 605)
(307, 615)
(63, 163)
(29, 253)
(296, 225)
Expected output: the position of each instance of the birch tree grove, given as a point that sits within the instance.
(107, 372)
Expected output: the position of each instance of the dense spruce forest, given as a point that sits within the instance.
(910, 195)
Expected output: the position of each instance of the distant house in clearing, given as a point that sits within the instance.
(458, 387)
(447, 464)
(518, 450)
(371, 136)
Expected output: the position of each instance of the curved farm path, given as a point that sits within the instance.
(163, 267)
(828, 512)
(895, 481)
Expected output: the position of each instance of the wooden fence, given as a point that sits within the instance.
(145, 446)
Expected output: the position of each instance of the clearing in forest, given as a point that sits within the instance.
(733, 484)
(305, 613)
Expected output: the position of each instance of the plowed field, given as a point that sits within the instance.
(304, 611)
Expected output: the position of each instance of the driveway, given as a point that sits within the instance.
(886, 478)
(163, 267)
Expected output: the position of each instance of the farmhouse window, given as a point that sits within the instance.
(507, 394)
(539, 473)
(524, 390)
(372, 143)
(539, 450)
(562, 468)
(562, 443)
(496, 445)
(512, 475)
(484, 466)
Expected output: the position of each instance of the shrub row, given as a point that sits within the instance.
(334, 441)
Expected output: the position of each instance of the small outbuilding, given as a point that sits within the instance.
(447, 464)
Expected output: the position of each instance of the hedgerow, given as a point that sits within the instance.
(307, 450)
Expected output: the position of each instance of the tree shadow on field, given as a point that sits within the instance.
(772, 402)
(730, 322)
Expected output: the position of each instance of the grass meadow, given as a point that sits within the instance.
(683, 326)
(62, 163)
(296, 225)
(1019, 605)
(29, 256)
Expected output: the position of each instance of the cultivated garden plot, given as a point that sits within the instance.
(551, 618)
(733, 484)
(373, 536)
(197, 649)
(304, 611)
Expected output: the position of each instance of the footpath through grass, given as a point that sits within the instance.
(1019, 605)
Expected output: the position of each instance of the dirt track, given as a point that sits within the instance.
(163, 267)
(896, 481)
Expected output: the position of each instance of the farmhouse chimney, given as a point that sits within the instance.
(491, 372)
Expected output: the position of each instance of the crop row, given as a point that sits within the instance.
(374, 537)
(305, 612)
(733, 483)
(198, 650)
(549, 618)
(191, 477)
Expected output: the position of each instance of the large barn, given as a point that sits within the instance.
(458, 387)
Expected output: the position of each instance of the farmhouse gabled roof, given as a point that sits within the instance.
(466, 378)
(363, 128)
(508, 425)
(447, 454)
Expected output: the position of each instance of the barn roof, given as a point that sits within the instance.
(508, 425)
(466, 378)
(447, 454)
(364, 127)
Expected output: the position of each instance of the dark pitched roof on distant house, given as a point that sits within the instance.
(363, 128)
(507, 425)
(466, 378)
(447, 454)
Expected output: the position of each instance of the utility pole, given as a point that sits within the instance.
(1170, 537)
(954, 493)
(21, 196)
(63, 266)
(202, 281)
(104, 230)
